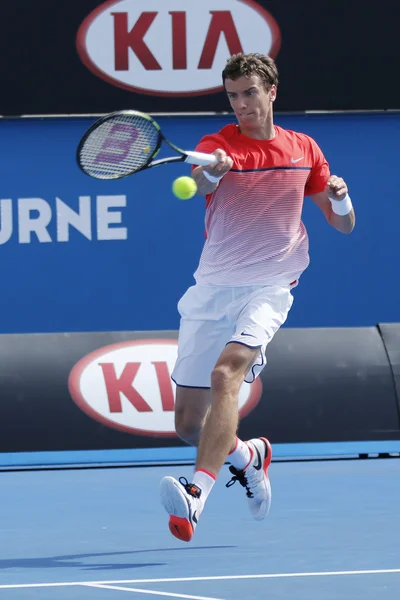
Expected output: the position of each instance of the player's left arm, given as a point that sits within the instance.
(329, 192)
(334, 201)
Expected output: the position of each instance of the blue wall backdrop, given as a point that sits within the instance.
(134, 284)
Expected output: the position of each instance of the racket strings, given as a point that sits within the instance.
(119, 146)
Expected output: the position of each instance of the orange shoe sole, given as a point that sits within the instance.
(180, 528)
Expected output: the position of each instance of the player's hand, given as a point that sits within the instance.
(223, 165)
(336, 188)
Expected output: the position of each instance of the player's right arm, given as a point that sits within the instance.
(215, 172)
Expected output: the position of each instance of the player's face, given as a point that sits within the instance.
(250, 101)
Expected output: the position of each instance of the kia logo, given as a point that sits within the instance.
(172, 47)
(127, 386)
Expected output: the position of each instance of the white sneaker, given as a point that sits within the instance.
(181, 500)
(255, 478)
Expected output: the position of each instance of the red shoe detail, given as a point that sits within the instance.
(180, 528)
(251, 455)
(268, 458)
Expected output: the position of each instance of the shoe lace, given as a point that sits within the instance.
(191, 488)
(240, 476)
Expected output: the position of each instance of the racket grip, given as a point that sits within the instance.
(199, 158)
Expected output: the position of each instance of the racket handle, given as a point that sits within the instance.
(199, 158)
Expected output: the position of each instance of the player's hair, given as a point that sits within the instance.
(246, 65)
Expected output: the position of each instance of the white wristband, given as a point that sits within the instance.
(342, 207)
(211, 177)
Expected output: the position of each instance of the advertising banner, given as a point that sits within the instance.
(112, 390)
(167, 55)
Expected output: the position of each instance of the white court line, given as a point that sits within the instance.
(154, 592)
(211, 578)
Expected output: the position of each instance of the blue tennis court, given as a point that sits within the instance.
(101, 533)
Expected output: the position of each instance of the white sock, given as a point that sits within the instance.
(240, 455)
(205, 481)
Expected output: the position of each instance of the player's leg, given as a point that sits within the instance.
(218, 436)
(184, 500)
(201, 414)
(191, 408)
(258, 319)
(199, 411)
(204, 332)
(209, 417)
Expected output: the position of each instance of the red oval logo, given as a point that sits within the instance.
(172, 47)
(127, 386)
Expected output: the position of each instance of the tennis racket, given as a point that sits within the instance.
(125, 142)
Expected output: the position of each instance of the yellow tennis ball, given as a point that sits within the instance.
(184, 188)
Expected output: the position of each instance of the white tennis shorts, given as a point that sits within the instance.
(212, 316)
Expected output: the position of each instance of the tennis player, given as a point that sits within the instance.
(255, 251)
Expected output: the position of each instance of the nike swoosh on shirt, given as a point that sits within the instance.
(296, 160)
(248, 334)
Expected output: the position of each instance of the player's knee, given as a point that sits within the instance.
(225, 378)
(188, 427)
